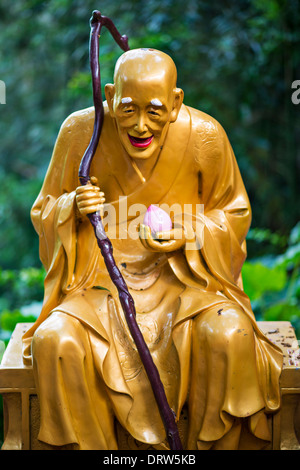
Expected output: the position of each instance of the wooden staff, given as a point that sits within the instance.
(168, 416)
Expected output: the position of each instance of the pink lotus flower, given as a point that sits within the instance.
(157, 219)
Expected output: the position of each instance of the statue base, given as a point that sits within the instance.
(21, 404)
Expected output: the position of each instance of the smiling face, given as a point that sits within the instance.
(143, 100)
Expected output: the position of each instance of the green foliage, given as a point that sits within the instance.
(18, 288)
(21, 296)
(259, 279)
(18, 240)
(273, 282)
(10, 318)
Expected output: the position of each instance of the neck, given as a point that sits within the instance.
(144, 167)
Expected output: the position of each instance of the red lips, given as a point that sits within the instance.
(140, 142)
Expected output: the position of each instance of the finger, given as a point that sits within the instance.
(143, 236)
(161, 246)
(145, 231)
(89, 203)
(88, 195)
(83, 187)
(90, 210)
(149, 241)
(174, 234)
(166, 235)
(94, 180)
(146, 238)
(170, 245)
(87, 187)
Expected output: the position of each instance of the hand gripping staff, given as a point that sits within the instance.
(126, 300)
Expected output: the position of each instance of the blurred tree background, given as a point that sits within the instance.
(236, 60)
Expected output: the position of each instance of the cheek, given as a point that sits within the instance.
(156, 127)
(124, 124)
(159, 128)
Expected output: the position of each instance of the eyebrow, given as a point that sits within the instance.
(156, 102)
(126, 100)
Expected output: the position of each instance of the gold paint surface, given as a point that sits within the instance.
(190, 304)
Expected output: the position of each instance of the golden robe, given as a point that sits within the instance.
(190, 304)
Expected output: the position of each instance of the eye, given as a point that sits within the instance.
(127, 111)
(154, 113)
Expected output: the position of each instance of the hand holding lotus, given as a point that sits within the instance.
(157, 234)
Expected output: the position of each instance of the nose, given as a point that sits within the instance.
(140, 125)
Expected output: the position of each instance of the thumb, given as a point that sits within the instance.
(94, 180)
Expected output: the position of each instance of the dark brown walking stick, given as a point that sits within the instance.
(168, 417)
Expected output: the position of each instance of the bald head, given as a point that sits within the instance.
(142, 64)
(144, 100)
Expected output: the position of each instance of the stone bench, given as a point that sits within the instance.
(21, 405)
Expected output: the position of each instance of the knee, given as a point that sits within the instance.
(224, 325)
(58, 336)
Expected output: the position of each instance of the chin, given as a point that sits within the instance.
(139, 153)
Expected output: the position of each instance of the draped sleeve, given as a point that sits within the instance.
(54, 218)
(226, 215)
(216, 231)
(227, 211)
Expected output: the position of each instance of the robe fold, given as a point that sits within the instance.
(196, 179)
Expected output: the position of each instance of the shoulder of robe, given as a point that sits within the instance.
(207, 137)
(82, 121)
(77, 129)
(78, 122)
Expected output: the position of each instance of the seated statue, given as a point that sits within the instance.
(186, 282)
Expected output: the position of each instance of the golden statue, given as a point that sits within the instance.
(186, 282)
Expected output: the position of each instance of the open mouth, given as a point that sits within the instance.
(140, 142)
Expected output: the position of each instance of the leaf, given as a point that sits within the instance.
(282, 312)
(9, 319)
(290, 258)
(258, 279)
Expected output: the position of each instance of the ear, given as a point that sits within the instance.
(109, 91)
(178, 99)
